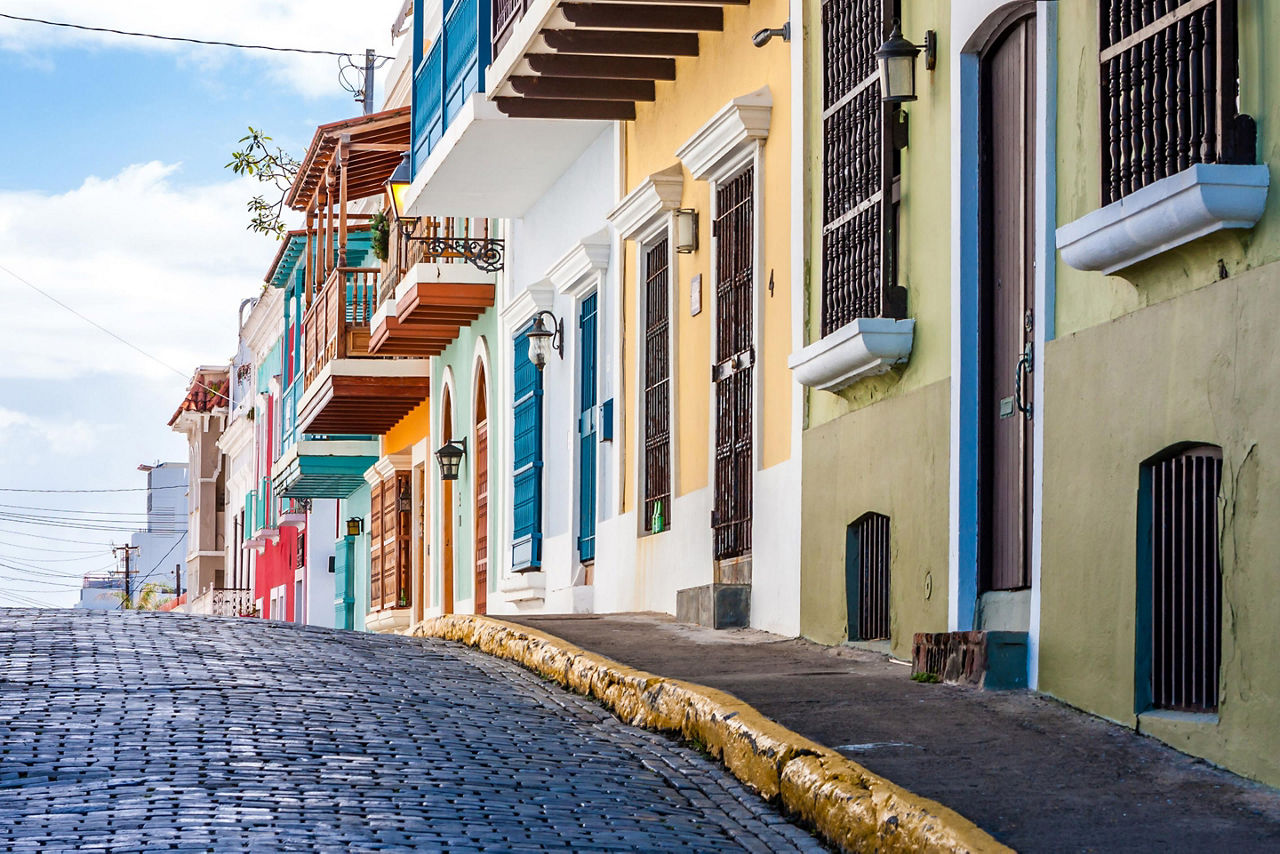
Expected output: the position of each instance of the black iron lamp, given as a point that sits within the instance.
(449, 458)
(355, 526)
(896, 60)
(546, 335)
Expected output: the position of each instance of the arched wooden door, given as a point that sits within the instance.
(446, 512)
(1007, 295)
(480, 483)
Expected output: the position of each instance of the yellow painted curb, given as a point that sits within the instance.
(847, 805)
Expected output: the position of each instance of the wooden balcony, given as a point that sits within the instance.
(447, 281)
(348, 392)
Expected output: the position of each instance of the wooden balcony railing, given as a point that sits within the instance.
(336, 324)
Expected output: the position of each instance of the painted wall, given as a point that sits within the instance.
(1170, 376)
(455, 369)
(572, 211)
(414, 427)
(321, 530)
(275, 566)
(924, 250)
(1085, 299)
(890, 458)
(728, 66)
(1165, 352)
(356, 505)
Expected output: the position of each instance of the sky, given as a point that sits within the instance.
(114, 199)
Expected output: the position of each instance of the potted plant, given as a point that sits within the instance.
(380, 231)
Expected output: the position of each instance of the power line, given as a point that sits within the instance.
(25, 601)
(12, 533)
(79, 491)
(130, 513)
(46, 549)
(82, 525)
(102, 328)
(179, 38)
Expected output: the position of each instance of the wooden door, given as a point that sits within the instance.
(1007, 296)
(481, 480)
(734, 365)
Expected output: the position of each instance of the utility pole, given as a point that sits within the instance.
(369, 57)
(177, 579)
(128, 591)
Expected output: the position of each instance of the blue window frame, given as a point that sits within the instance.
(526, 540)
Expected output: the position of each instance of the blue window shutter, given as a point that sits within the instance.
(526, 545)
(587, 431)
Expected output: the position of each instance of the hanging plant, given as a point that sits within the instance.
(380, 229)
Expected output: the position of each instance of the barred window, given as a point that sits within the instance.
(860, 168)
(1169, 89)
(657, 387)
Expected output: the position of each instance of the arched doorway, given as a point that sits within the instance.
(480, 484)
(446, 511)
(1006, 297)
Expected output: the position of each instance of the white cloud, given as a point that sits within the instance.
(313, 24)
(20, 431)
(161, 265)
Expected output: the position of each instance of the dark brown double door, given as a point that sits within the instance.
(1006, 298)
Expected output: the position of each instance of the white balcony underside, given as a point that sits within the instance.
(488, 164)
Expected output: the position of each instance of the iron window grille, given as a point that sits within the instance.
(657, 385)
(1170, 83)
(860, 165)
(1179, 581)
(867, 576)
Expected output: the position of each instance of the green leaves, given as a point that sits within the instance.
(270, 165)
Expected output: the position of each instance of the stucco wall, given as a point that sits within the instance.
(925, 211)
(1084, 298)
(727, 66)
(1195, 368)
(892, 459)
(456, 369)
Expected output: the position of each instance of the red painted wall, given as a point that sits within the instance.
(275, 566)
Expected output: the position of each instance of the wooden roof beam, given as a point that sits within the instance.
(615, 43)
(563, 108)
(584, 88)
(637, 16)
(602, 67)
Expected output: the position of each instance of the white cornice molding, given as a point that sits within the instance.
(386, 467)
(539, 296)
(1205, 198)
(265, 324)
(712, 152)
(645, 206)
(578, 269)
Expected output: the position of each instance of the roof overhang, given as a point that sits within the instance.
(375, 144)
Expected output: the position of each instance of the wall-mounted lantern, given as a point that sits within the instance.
(896, 59)
(546, 335)
(449, 458)
(483, 253)
(355, 526)
(686, 230)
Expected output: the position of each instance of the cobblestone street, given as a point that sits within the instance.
(139, 730)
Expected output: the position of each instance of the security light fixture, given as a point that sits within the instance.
(762, 37)
(449, 457)
(547, 334)
(355, 526)
(686, 230)
(896, 59)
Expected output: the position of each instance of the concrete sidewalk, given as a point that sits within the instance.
(1035, 774)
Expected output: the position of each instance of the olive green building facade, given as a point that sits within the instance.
(1088, 465)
